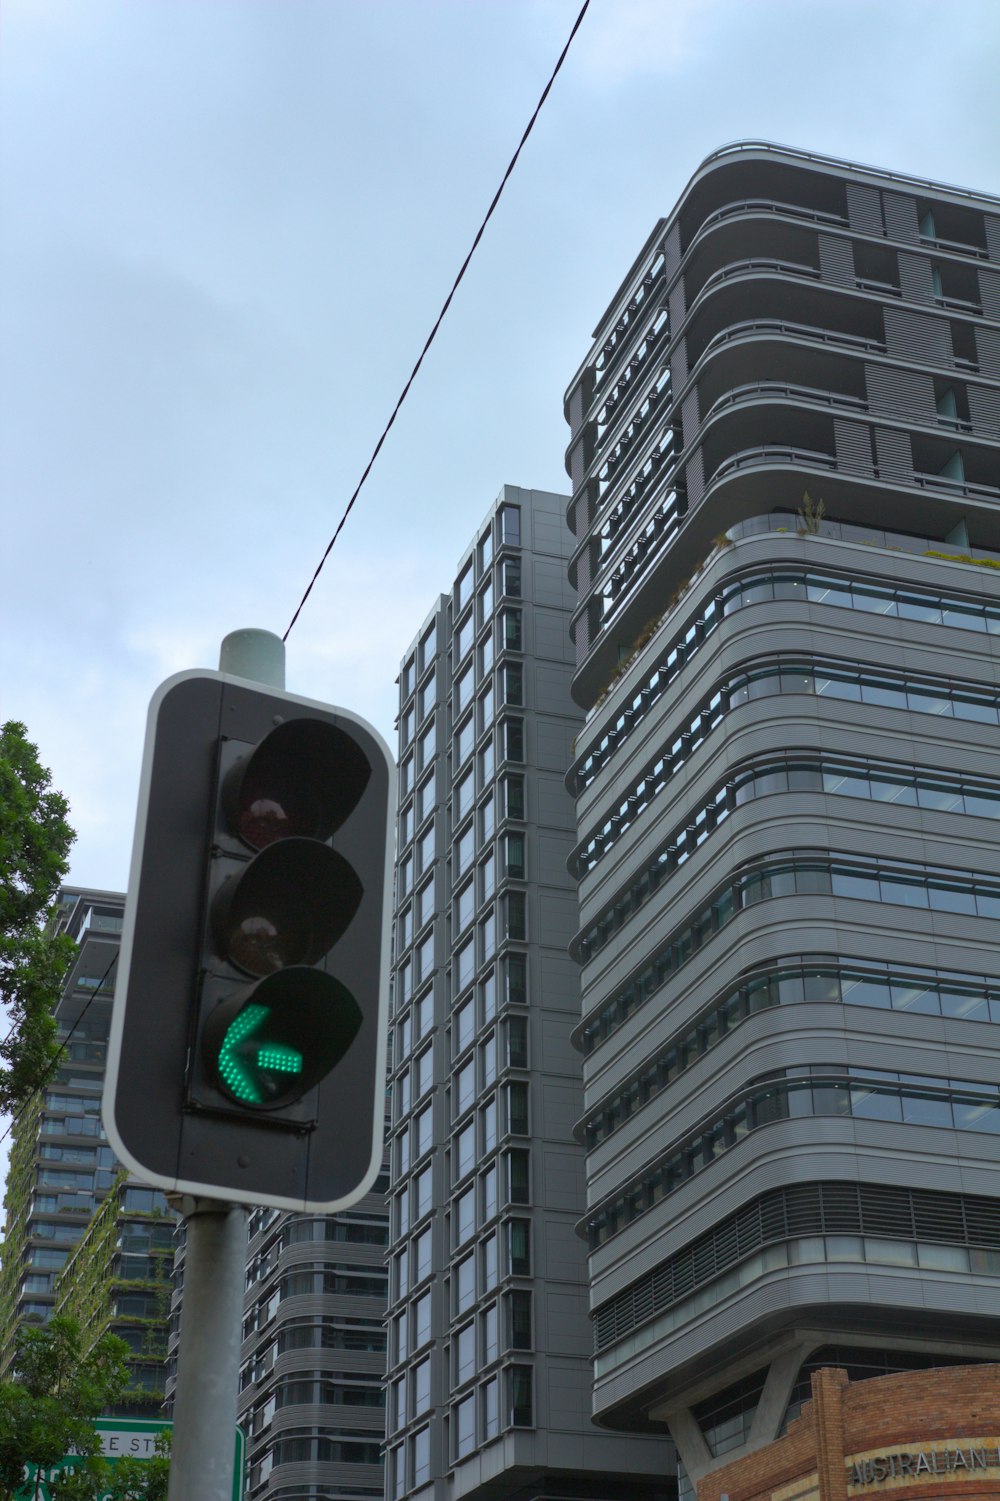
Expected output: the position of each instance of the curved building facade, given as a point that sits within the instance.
(785, 459)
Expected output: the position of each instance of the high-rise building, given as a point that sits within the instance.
(785, 462)
(62, 1175)
(312, 1394)
(489, 1370)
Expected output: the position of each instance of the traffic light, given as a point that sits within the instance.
(247, 1052)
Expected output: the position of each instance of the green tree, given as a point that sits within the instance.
(47, 1409)
(142, 1479)
(35, 839)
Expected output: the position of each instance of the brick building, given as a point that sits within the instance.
(916, 1434)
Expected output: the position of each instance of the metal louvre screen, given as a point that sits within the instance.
(786, 1214)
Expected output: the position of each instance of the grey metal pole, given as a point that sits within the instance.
(201, 1457)
(208, 1362)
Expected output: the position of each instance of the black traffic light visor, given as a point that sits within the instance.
(303, 779)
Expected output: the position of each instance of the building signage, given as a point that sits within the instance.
(947, 1458)
(134, 1438)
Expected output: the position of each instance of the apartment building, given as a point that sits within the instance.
(785, 467)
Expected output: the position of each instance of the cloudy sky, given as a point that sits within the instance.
(227, 227)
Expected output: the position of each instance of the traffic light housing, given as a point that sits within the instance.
(247, 1051)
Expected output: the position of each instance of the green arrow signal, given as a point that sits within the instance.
(242, 1059)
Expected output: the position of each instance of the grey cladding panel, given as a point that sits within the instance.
(864, 208)
(676, 303)
(689, 414)
(993, 236)
(989, 292)
(984, 409)
(918, 336)
(552, 687)
(915, 277)
(550, 636)
(553, 746)
(901, 392)
(854, 446)
(988, 349)
(836, 260)
(900, 216)
(679, 366)
(695, 476)
(550, 585)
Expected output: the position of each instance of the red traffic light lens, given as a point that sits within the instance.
(301, 781)
(289, 905)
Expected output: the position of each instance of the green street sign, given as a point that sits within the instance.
(132, 1438)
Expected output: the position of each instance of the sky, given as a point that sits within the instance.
(227, 228)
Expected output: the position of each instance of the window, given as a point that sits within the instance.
(403, 1151)
(488, 997)
(464, 740)
(515, 903)
(464, 637)
(513, 793)
(425, 958)
(486, 550)
(488, 1334)
(516, 971)
(464, 1152)
(424, 1192)
(428, 694)
(486, 764)
(401, 1271)
(465, 965)
(405, 875)
(421, 1442)
(512, 577)
(464, 1425)
(486, 819)
(464, 1091)
(465, 792)
(464, 851)
(406, 824)
(422, 1259)
(488, 1125)
(464, 1284)
(484, 709)
(519, 1386)
(425, 851)
(488, 937)
(465, 906)
(406, 680)
(463, 690)
(464, 1216)
(425, 1072)
(488, 1060)
(517, 1176)
(519, 1320)
(404, 929)
(425, 800)
(515, 856)
(464, 1027)
(488, 1194)
(511, 627)
(516, 1028)
(519, 1248)
(423, 1133)
(406, 727)
(399, 1337)
(425, 904)
(514, 739)
(486, 877)
(422, 1387)
(428, 646)
(403, 1094)
(464, 1359)
(424, 1009)
(513, 684)
(491, 1409)
(485, 605)
(463, 589)
(406, 776)
(488, 1262)
(485, 656)
(422, 1320)
(517, 1109)
(425, 748)
(510, 526)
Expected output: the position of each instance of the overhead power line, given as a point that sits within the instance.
(440, 317)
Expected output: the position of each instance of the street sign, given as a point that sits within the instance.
(121, 1438)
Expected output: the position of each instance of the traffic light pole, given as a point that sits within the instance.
(201, 1460)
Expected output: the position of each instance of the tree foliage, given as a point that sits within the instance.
(47, 1409)
(35, 839)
